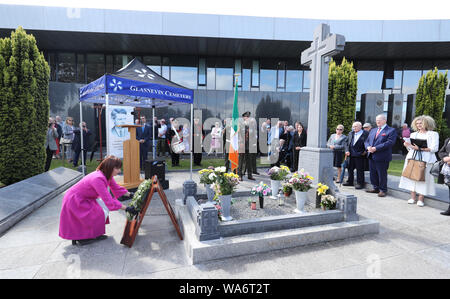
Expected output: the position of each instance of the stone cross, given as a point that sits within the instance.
(317, 56)
(316, 158)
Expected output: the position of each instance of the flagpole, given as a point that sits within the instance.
(233, 156)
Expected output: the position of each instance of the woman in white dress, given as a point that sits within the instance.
(423, 127)
(216, 134)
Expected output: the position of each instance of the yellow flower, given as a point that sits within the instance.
(310, 177)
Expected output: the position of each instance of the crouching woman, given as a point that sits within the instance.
(86, 205)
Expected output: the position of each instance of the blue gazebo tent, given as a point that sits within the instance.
(135, 85)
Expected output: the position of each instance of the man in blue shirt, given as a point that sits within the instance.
(144, 136)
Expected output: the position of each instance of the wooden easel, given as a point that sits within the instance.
(132, 227)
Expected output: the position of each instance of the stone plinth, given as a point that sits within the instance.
(395, 110)
(372, 104)
(411, 108)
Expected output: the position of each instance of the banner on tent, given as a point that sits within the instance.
(115, 136)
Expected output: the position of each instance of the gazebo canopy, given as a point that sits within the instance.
(136, 85)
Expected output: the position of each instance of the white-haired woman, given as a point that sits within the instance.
(423, 126)
(337, 142)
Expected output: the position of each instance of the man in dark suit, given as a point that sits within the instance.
(244, 148)
(356, 152)
(144, 136)
(379, 149)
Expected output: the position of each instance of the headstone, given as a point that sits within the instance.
(411, 108)
(371, 105)
(395, 110)
(316, 158)
(189, 189)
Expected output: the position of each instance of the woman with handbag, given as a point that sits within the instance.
(444, 155)
(68, 137)
(423, 126)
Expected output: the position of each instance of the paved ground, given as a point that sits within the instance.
(413, 243)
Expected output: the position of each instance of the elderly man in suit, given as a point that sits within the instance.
(379, 149)
(356, 152)
(144, 136)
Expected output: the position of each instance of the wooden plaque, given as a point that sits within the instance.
(131, 227)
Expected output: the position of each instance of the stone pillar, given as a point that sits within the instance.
(189, 189)
(411, 108)
(395, 110)
(347, 204)
(371, 105)
(208, 223)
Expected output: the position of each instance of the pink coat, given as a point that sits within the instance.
(81, 216)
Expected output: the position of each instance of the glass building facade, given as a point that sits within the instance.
(268, 77)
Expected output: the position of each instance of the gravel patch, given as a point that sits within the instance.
(240, 208)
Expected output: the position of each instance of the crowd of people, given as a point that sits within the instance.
(63, 139)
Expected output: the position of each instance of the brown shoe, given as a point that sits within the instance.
(373, 191)
(381, 194)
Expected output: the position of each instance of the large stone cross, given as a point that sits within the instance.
(317, 56)
(316, 158)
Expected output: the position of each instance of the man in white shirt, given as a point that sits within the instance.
(356, 152)
(162, 143)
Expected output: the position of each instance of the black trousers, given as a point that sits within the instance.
(143, 155)
(357, 163)
(245, 164)
(77, 156)
(253, 162)
(48, 161)
(175, 158)
(197, 158)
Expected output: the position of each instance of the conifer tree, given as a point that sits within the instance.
(24, 107)
(342, 88)
(430, 99)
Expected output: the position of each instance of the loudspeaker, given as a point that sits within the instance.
(157, 167)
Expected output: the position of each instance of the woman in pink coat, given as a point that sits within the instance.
(83, 215)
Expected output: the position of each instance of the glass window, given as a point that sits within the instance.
(411, 81)
(183, 71)
(121, 60)
(109, 64)
(166, 68)
(369, 82)
(255, 73)
(268, 80)
(52, 64)
(224, 73)
(281, 75)
(202, 71)
(81, 68)
(238, 71)
(95, 66)
(153, 62)
(306, 79)
(66, 67)
(294, 80)
(398, 79)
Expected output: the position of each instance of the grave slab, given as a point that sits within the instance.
(22, 198)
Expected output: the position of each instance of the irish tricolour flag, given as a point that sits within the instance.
(233, 155)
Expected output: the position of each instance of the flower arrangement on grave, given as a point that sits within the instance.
(261, 190)
(287, 189)
(278, 173)
(225, 183)
(328, 202)
(207, 176)
(322, 189)
(301, 181)
(139, 196)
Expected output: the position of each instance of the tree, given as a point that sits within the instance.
(342, 87)
(24, 107)
(430, 99)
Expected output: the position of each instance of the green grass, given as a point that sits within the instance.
(396, 167)
(90, 166)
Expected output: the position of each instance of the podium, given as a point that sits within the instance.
(131, 169)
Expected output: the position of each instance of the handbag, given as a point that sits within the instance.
(436, 168)
(65, 140)
(178, 146)
(415, 169)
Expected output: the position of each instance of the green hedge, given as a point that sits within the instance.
(430, 99)
(342, 88)
(24, 107)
